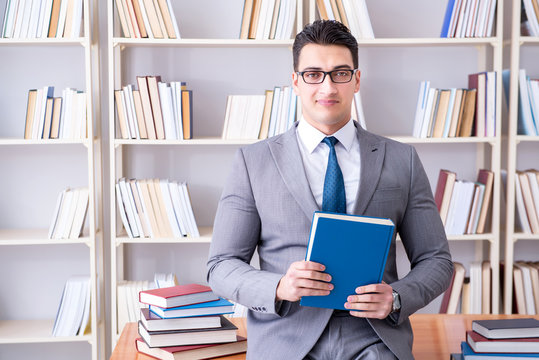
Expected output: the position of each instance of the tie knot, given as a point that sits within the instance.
(330, 141)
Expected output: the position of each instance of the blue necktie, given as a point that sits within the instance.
(334, 198)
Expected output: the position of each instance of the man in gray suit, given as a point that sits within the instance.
(268, 203)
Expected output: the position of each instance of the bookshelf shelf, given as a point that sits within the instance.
(198, 141)
(43, 142)
(44, 42)
(525, 236)
(34, 237)
(205, 237)
(34, 331)
(526, 138)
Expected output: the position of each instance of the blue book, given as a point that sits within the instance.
(469, 354)
(217, 307)
(447, 18)
(354, 251)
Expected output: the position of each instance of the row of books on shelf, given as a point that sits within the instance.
(529, 17)
(186, 320)
(73, 315)
(157, 110)
(464, 205)
(500, 339)
(469, 18)
(442, 113)
(50, 117)
(470, 293)
(69, 214)
(155, 208)
(27, 19)
(268, 19)
(527, 200)
(528, 116)
(153, 19)
(352, 13)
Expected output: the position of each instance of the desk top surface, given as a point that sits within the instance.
(436, 336)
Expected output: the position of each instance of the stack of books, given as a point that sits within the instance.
(50, 117)
(186, 321)
(41, 19)
(526, 287)
(352, 13)
(268, 19)
(153, 19)
(469, 18)
(528, 112)
(527, 200)
(464, 205)
(442, 113)
(69, 214)
(529, 23)
(157, 110)
(73, 316)
(501, 339)
(155, 208)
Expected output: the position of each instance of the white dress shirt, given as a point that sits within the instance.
(315, 159)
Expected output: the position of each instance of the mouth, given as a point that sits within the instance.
(327, 102)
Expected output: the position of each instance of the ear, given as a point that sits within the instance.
(356, 80)
(295, 78)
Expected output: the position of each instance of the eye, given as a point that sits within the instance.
(342, 73)
(312, 75)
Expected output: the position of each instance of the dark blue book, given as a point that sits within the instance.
(354, 251)
(217, 307)
(469, 354)
(447, 18)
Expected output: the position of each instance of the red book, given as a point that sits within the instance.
(178, 295)
(193, 351)
(520, 345)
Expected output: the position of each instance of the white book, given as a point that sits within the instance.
(178, 107)
(291, 17)
(364, 19)
(454, 18)
(131, 113)
(450, 219)
(450, 110)
(27, 14)
(491, 16)
(181, 217)
(19, 16)
(534, 185)
(145, 19)
(76, 312)
(253, 118)
(165, 96)
(472, 19)
(291, 111)
(189, 210)
(329, 10)
(67, 114)
(67, 305)
(476, 208)
(45, 19)
(359, 110)
(170, 215)
(123, 211)
(60, 311)
(461, 18)
(533, 95)
(481, 18)
(145, 211)
(174, 21)
(532, 18)
(353, 18)
(268, 18)
(525, 114)
(86, 313)
(475, 287)
(64, 213)
(464, 202)
(9, 18)
(238, 107)
(80, 213)
(425, 124)
(490, 118)
(62, 18)
(528, 289)
(224, 134)
(34, 19)
(283, 109)
(132, 209)
(71, 214)
(281, 20)
(76, 25)
(274, 110)
(421, 108)
(521, 210)
(56, 214)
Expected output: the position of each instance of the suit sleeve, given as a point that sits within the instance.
(423, 236)
(236, 234)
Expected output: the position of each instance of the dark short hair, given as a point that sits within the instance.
(325, 32)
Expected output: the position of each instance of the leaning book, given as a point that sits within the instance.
(354, 251)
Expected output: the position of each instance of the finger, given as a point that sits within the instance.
(372, 288)
(313, 284)
(314, 275)
(309, 265)
(368, 298)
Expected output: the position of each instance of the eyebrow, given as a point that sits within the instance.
(338, 67)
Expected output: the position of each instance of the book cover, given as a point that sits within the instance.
(178, 295)
(218, 307)
(479, 343)
(190, 352)
(469, 354)
(346, 245)
(507, 328)
(226, 333)
(153, 322)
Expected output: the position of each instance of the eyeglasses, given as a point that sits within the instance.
(318, 77)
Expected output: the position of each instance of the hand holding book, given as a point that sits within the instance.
(304, 278)
(371, 301)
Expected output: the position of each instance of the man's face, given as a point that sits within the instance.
(326, 106)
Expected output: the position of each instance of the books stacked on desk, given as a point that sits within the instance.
(501, 339)
(187, 322)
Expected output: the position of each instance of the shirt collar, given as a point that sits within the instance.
(311, 136)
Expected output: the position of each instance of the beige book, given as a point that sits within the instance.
(160, 19)
(30, 111)
(139, 113)
(335, 10)
(131, 18)
(342, 12)
(264, 127)
(485, 177)
(467, 120)
(518, 287)
(441, 113)
(56, 113)
(148, 204)
(457, 111)
(486, 286)
(528, 201)
(70, 14)
(163, 217)
(246, 19)
(124, 24)
(162, 232)
(167, 19)
(140, 19)
(146, 106)
(534, 274)
(55, 14)
(322, 9)
(255, 15)
(456, 288)
(48, 118)
(153, 90)
(139, 209)
(152, 19)
(274, 18)
(121, 115)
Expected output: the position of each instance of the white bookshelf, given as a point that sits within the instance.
(56, 162)
(520, 149)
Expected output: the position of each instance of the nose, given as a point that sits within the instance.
(327, 85)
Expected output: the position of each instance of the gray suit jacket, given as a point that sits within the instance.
(267, 205)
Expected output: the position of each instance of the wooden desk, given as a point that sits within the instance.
(436, 336)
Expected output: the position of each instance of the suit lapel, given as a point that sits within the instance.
(372, 152)
(287, 157)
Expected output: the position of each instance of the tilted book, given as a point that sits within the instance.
(354, 251)
(178, 295)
